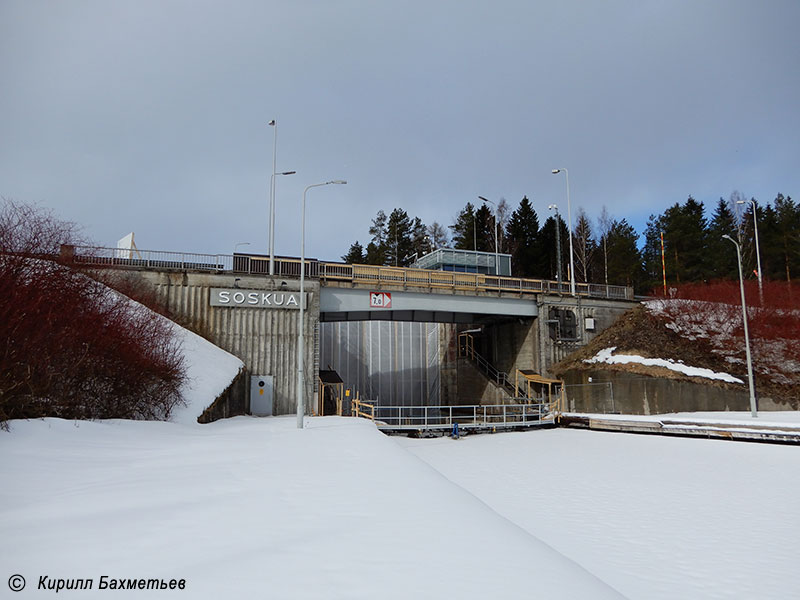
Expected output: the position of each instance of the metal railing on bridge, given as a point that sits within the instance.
(365, 275)
(476, 417)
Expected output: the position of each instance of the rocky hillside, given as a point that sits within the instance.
(701, 342)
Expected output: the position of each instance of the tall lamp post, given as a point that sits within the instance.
(746, 333)
(300, 374)
(496, 236)
(558, 245)
(758, 254)
(272, 220)
(569, 219)
(274, 124)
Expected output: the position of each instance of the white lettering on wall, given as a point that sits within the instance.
(254, 298)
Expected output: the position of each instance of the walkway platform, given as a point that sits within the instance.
(751, 430)
(433, 420)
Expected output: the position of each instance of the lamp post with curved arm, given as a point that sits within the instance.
(558, 245)
(300, 349)
(758, 254)
(569, 219)
(746, 333)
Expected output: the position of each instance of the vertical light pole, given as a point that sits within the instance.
(300, 328)
(758, 254)
(558, 245)
(272, 220)
(569, 219)
(496, 236)
(746, 333)
(274, 124)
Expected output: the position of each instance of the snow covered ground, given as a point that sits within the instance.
(255, 508)
(655, 517)
(249, 507)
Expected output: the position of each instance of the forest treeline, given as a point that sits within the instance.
(608, 250)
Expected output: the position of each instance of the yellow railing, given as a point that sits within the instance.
(359, 408)
(376, 275)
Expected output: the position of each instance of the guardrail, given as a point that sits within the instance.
(367, 275)
(376, 275)
(147, 259)
(467, 416)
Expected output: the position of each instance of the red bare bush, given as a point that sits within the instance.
(69, 346)
(714, 312)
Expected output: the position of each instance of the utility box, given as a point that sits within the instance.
(262, 390)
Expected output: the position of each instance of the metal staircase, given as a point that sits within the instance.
(522, 389)
(466, 349)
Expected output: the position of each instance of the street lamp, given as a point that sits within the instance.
(758, 254)
(274, 124)
(496, 235)
(240, 244)
(569, 221)
(558, 245)
(272, 220)
(746, 333)
(300, 374)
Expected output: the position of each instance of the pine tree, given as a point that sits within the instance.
(378, 230)
(484, 224)
(788, 229)
(375, 255)
(685, 236)
(624, 259)
(721, 256)
(651, 254)
(545, 264)
(521, 234)
(355, 256)
(399, 244)
(464, 231)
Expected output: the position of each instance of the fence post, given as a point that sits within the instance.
(611, 391)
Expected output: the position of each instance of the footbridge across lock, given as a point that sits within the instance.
(519, 323)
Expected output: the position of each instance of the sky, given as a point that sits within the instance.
(152, 116)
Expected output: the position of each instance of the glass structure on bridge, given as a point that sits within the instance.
(465, 261)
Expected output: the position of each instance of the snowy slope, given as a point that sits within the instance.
(254, 508)
(607, 356)
(210, 370)
(655, 517)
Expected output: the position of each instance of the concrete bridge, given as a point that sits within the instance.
(523, 323)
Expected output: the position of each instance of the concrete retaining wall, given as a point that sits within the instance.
(264, 338)
(638, 395)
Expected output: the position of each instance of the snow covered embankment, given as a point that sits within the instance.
(607, 356)
(209, 371)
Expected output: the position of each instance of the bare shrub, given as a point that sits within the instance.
(69, 346)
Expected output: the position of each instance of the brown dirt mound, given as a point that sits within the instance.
(642, 333)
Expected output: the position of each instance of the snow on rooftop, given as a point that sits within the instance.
(607, 356)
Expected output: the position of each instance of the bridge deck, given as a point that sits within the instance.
(334, 273)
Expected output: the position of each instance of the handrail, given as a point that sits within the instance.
(466, 349)
(359, 408)
(467, 416)
(367, 275)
